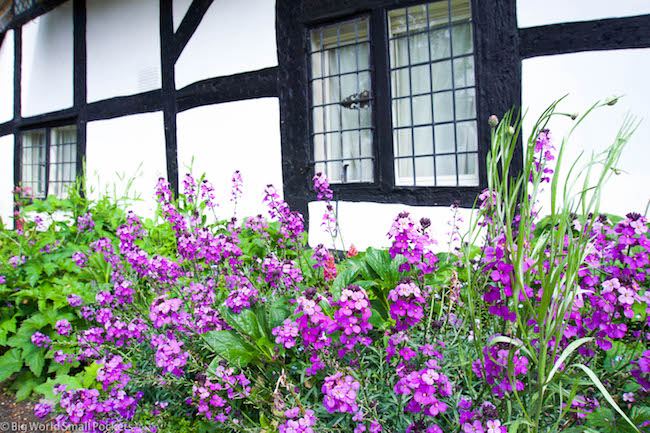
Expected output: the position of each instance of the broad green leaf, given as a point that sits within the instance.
(229, 346)
(91, 374)
(245, 322)
(34, 358)
(342, 281)
(35, 322)
(26, 387)
(277, 313)
(71, 382)
(380, 262)
(10, 363)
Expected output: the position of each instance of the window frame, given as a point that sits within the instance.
(47, 127)
(498, 89)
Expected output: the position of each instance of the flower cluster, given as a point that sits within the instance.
(169, 353)
(217, 391)
(286, 334)
(291, 223)
(63, 327)
(296, 423)
(340, 393)
(79, 259)
(85, 222)
(286, 272)
(41, 340)
(322, 187)
(500, 367)
(351, 318)
(406, 307)
(413, 242)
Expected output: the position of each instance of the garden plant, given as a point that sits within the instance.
(524, 323)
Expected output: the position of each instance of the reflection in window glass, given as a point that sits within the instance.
(49, 160)
(433, 94)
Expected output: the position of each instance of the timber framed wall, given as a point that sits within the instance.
(501, 46)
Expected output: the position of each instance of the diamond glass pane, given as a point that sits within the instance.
(433, 91)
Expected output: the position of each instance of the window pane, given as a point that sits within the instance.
(436, 102)
(468, 169)
(342, 100)
(34, 161)
(63, 144)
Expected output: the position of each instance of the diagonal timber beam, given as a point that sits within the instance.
(188, 26)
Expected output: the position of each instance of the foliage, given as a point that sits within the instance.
(525, 324)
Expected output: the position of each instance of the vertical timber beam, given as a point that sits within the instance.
(18, 72)
(80, 81)
(169, 90)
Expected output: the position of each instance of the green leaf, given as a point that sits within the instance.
(342, 281)
(26, 387)
(34, 358)
(33, 271)
(45, 389)
(245, 322)
(380, 262)
(277, 313)
(565, 354)
(91, 374)
(605, 393)
(229, 346)
(10, 363)
(264, 422)
(50, 268)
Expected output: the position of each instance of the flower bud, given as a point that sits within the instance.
(611, 100)
(493, 121)
(511, 130)
(574, 116)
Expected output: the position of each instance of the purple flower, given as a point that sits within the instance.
(41, 410)
(322, 187)
(340, 393)
(85, 222)
(63, 327)
(41, 340)
(75, 300)
(79, 259)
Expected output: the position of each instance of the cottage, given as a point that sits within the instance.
(390, 98)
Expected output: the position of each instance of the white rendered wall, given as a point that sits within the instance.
(222, 138)
(535, 13)
(6, 179)
(367, 224)
(179, 8)
(123, 44)
(124, 149)
(7, 78)
(233, 37)
(47, 83)
(586, 78)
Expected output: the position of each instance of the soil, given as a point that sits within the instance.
(19, 416)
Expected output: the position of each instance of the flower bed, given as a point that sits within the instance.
(192, 324)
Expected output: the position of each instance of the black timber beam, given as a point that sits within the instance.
(605, 34)
(188, 25)
(238, 87)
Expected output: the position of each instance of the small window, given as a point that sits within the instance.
(433, 95)
(342, 129)
(49, 160)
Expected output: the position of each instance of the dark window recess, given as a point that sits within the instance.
(49, 160)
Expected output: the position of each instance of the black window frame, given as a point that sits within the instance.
(47, 127)
(498, 89)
